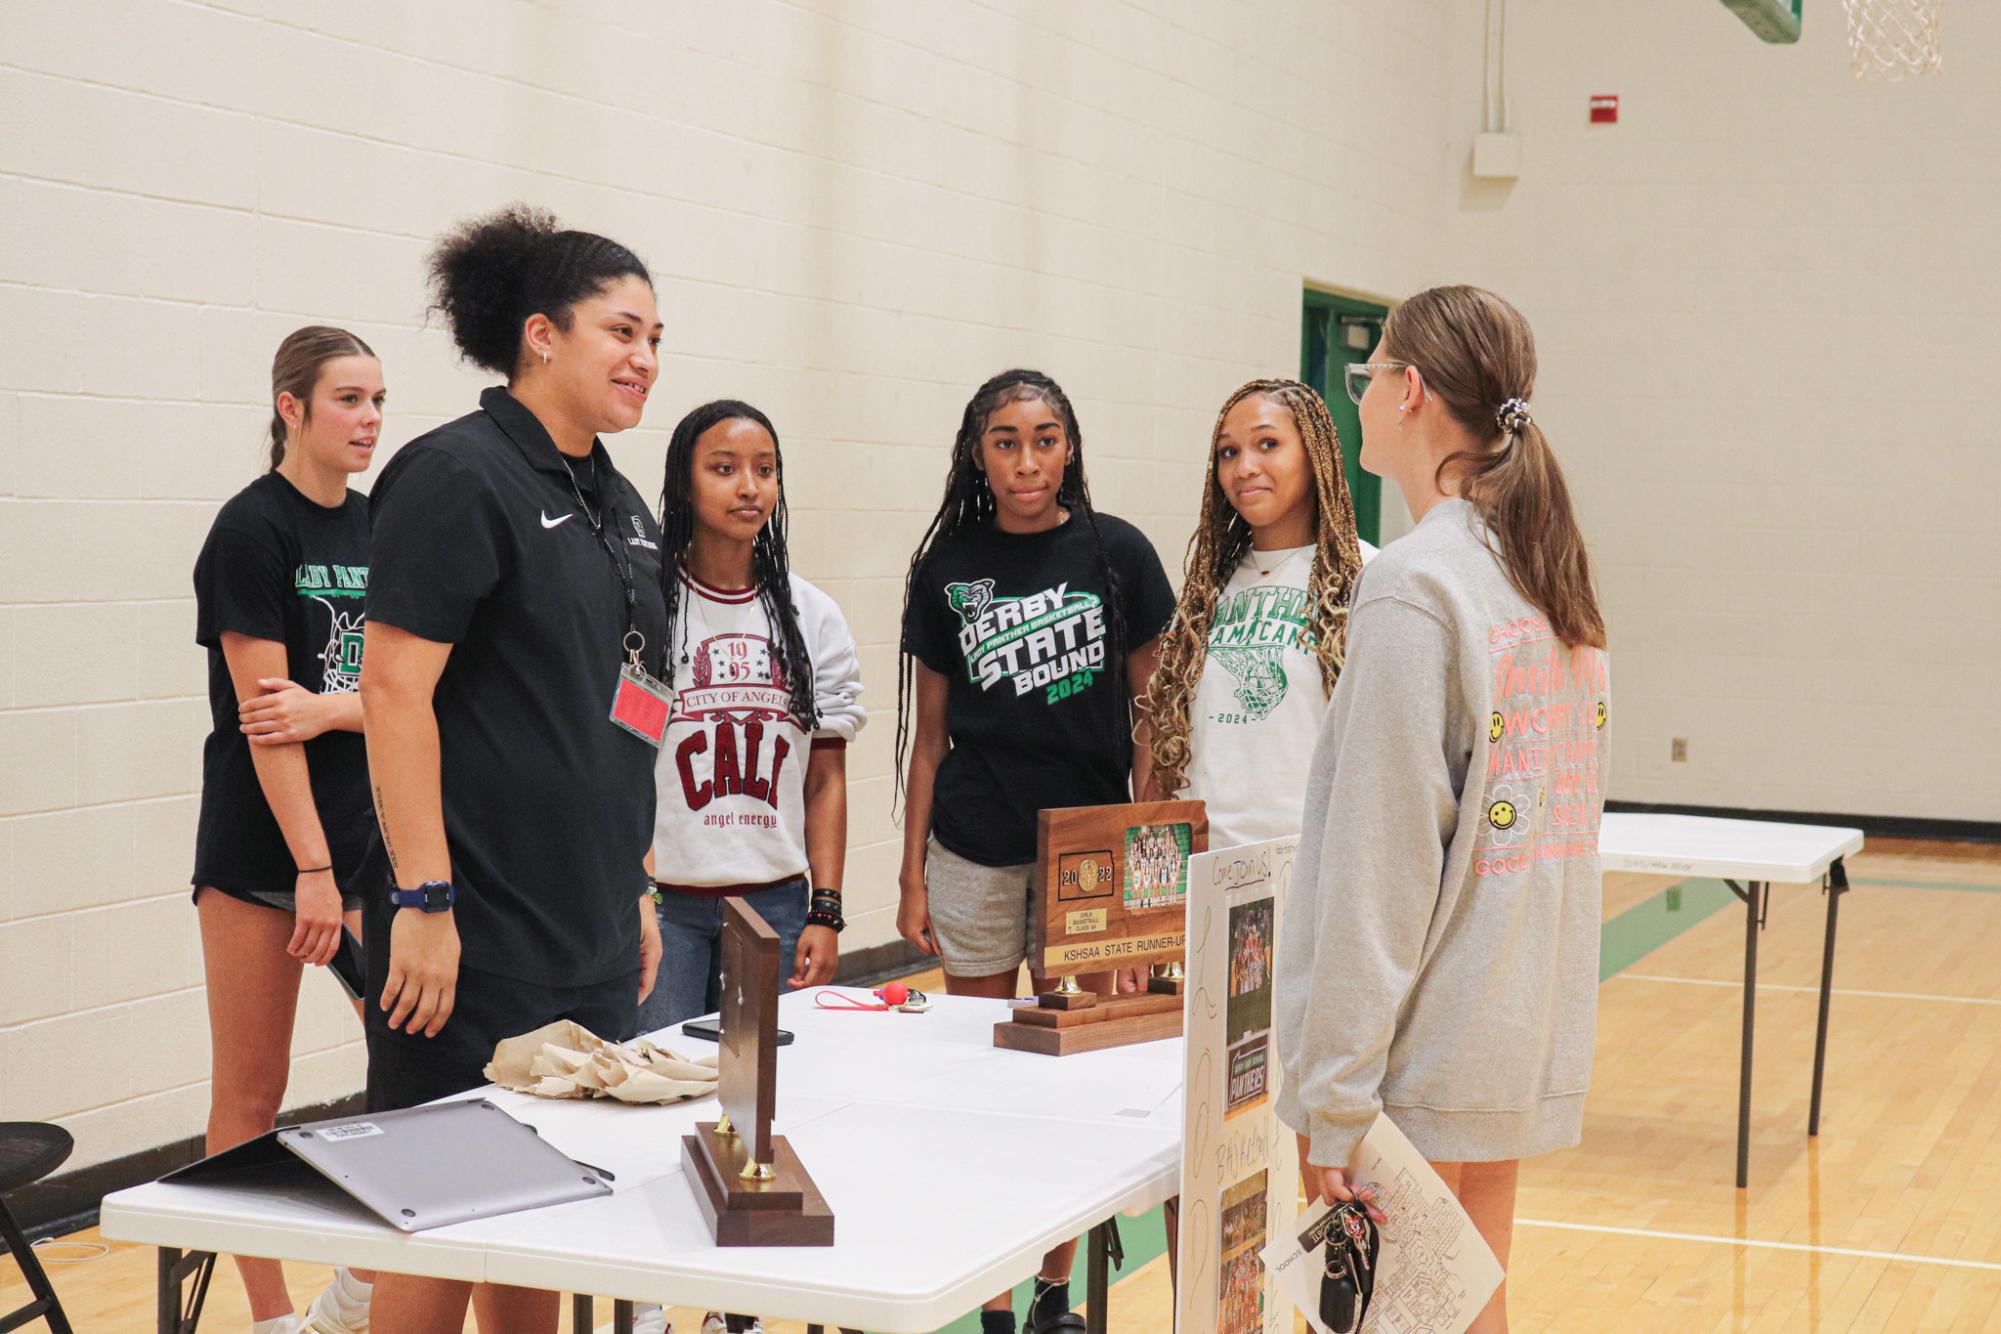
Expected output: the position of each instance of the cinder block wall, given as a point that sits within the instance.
(854, 212)
(1767, 304)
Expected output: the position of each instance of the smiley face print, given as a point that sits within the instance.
(1598, 719)
(1502, 814)
(1495, 726)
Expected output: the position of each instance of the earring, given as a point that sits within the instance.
(545, 357)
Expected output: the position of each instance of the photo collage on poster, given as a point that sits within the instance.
(1157, 866)
(1247, 1020)
(1243, 1269)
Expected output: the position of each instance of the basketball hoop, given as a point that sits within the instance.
(1889, 39)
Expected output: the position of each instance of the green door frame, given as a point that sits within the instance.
(1325, 352)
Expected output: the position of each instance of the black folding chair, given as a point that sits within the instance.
(29, 1151)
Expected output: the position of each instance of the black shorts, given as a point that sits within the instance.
(407, 1069)
(279, 900)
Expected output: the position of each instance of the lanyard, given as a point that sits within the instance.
(621, 562)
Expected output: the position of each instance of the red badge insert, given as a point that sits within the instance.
(640, 705)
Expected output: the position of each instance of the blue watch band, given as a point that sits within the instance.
(431, 896)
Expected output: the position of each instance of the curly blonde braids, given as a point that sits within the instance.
(1220, 540)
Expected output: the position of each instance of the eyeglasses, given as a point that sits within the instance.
(1356, 376)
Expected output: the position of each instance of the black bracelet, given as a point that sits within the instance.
(831, 919)
(313, 870)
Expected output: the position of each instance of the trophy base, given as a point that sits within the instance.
(787, 1210)
(1115, 1021)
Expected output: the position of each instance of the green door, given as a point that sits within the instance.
(1334, 332)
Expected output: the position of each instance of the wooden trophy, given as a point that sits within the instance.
(751, 1186)
(1111, 891)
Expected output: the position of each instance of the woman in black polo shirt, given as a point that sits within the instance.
(515, 628)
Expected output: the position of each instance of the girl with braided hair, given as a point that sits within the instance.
(1261, 626)
(1029, 623)
(752, 778)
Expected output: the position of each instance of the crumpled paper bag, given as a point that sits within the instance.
(567, 1060)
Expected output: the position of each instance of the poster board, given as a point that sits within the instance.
(1239, 1168)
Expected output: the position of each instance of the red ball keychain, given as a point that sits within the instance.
(894, 996)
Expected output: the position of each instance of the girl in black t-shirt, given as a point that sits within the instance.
(1029, 624)
(279, 589)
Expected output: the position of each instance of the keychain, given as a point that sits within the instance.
(895, 996)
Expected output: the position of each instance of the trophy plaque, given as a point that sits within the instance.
(1111, 891)
(750, 1185)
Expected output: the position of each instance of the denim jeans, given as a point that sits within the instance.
(691, 949)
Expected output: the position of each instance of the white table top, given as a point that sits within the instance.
(951, 1166)
(1760, 850)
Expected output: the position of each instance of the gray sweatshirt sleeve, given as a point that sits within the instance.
(837, 674)
(1381, 800)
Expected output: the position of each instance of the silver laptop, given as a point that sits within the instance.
(424, 1167)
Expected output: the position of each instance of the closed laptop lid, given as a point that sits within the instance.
(424, 1167)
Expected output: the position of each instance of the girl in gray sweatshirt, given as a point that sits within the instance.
(1439, 959)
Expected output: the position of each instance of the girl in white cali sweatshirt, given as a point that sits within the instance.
(751, 780)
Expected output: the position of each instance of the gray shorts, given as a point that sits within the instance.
(979, 914)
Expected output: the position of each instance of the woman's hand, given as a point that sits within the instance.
(284, 715)
(649, 945)
(316, 919)
(913, 913)
(1331, 1184)
(813, 962)
(423, 970)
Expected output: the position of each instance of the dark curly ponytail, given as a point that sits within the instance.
(490, 274)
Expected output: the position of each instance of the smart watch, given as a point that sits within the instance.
(432, 896)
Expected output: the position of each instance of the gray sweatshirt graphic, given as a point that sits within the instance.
(1439, 959)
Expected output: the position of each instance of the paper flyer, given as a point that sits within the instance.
(1433, 1274)
(1239, 1185)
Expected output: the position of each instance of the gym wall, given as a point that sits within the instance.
(854, 212)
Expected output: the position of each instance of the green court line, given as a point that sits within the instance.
(1144, 1239)
(1949, 885)
(1652, 923)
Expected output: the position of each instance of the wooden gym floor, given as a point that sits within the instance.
(1890, 1222)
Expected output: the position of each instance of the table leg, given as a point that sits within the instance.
(1096, 1279)
(173, 1314)
(1837, 885)
(1756, 895)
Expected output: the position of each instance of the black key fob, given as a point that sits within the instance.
(1339, 1299)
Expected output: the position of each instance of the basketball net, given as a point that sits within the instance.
(1889, 39)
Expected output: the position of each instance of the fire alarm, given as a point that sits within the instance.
(1604, 108)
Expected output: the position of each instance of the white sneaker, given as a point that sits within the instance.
(715, 1322)
(332, 1313)
(647, 1319)
(284, 1324)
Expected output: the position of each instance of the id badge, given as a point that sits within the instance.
(640, 704)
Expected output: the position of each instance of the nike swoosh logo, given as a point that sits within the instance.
(548, 522)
